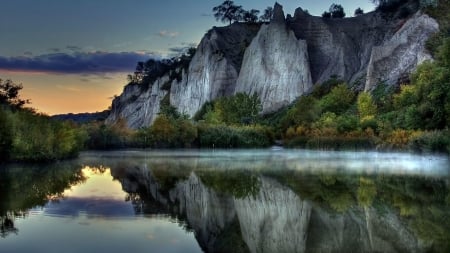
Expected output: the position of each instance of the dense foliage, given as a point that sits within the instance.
(29, 136)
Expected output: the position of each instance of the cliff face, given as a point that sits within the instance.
(282, 60)
(214, 69)
(275, 66)
(400, 54)
(137, 106)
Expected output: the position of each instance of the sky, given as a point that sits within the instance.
(74, 56)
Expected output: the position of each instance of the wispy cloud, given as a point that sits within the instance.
(76, 62)
(168, 34)
(181, 49)
(68, 88)
(55, 50)
(73, 48)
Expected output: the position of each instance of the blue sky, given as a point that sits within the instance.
(60, 49)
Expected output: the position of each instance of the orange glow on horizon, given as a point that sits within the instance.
(60, 94)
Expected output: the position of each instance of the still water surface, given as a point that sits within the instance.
(228, 201)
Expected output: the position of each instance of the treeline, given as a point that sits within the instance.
(228, 122)
(149, 71)
(29, 136)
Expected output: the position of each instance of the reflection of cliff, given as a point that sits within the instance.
(272, 219)
(208, 213)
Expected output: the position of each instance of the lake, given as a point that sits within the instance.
(271, 200)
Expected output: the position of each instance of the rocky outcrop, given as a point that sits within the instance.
(340, 47)
(282, 60)
(400, 54)
(214, 69)
(275, 66)
(137, 106)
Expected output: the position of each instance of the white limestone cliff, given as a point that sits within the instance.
(400, 54)
(214, 69)
(137, 106)
(275, 65)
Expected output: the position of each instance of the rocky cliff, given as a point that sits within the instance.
(282, 60)
(275, 65)
(214, 68)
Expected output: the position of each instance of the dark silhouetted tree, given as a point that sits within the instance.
(358, 12)
(251, 16)
(326, 14)
(267, 16)
(9, 94)
(228, 12)
(337, 11)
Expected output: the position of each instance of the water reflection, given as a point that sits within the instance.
(249, 201)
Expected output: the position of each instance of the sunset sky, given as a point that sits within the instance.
(73, 56)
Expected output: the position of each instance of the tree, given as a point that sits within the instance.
(228, 12)
(366, 105)
(163, 132)
(251, 16)
(240, 108)
(9, 94)
(358, 12)
(5, 135)
(267, 16)
(337, 11)
(338, 100)
(326, 14)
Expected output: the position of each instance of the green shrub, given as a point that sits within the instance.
(222, 136)
(338, 100)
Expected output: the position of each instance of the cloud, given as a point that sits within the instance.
(177, 50)
(76, 62)
(68, 88)
(190, 44)
(55, 50)
(182, 49)
(85, 80)
(27, 53)
(73, 48)
(168, 34)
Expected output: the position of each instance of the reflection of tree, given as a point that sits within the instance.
(422, 201)
(238, 183)
(7, 225)
(366, 192)
(26, 186)
(168, 174)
